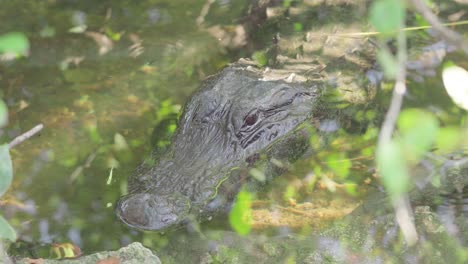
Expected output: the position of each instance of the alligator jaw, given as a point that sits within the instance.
(149, 211)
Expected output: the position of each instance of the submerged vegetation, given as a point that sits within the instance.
(107, 81)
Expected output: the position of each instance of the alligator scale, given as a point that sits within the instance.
(232, 118)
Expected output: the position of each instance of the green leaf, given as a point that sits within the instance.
(240, 216)
(387, 16)
(351, 188)
(78, 29)
(392, 167)
(290, 193)
(339, 164)
(93, 132)
(120, 144)
(6, 169)
(388, 62)
(418, 131)
(287, 3)
(257, 174)
(14, 42)
(448, 139)
(3, 114)
(6, 231)
(260, 57)
(298, 27)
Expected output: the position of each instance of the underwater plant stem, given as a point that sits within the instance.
(25, 135)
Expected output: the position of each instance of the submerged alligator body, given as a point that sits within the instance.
(225, 126)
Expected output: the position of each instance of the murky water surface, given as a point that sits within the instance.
(102, 74)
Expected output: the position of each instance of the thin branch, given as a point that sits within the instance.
(205, 9)
(399, 90)
(447, 34)
(403, 212)
(374, 33)
(405, 219)
(25, 135)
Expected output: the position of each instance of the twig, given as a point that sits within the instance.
(405, 219)
(373, 33)
(447, 34)
(80, 168)
(25, 136)
(205, 9)
(403, 212)
(399, 90)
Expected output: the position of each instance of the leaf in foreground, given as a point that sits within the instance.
(65, 251)
(455, 80)
(240, 216)
(448, 139)
(14, 42)
(6, 169)
(418, 131)
(339, 164)
(388, 62)
(6, 231)
(392, 167)
(3, 114)
(387, 16)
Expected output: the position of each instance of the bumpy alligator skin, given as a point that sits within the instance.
(232, 118)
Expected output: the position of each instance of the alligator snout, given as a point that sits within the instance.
(149, 211)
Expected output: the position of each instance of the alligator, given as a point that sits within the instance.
(236, 117)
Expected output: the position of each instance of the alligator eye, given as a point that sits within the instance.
(251, 119)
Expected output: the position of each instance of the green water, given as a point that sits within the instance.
(89, 101)
(84, 105)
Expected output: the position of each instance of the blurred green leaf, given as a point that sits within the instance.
(6, 169)
(6, 231)
(339, 164)
(113, 35)
(298, 27)
(351, 188)
(168, 109)
(240, 216)
(64, 251)
(78, 29)
(3, 114)
(371, 115)
(387, 16)
(290, 193)
(392, 167)
(420, 21)
(93, 132)
(418, 131)
(257, 174)
(388, 62)
(14, 42)
(287, 3)
(260, 57)
(120, 143)
(448, 139)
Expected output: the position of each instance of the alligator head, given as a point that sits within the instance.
(232, 117)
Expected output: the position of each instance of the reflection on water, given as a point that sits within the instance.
(114, 78)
